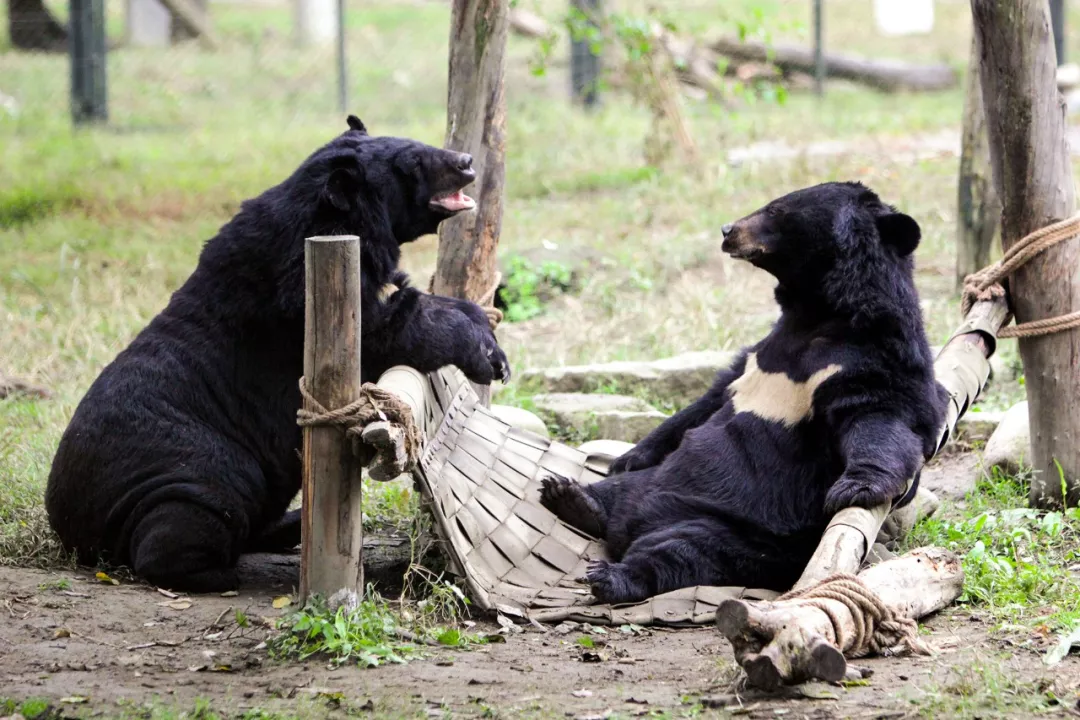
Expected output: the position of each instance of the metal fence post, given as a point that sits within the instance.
(88, 93)
(584, 64)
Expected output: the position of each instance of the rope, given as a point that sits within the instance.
(486, 301)
(985, 284)
(374, 405)
(878, 629)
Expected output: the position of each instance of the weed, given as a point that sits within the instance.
(973, 691)
(527, 286)
(1016, 559)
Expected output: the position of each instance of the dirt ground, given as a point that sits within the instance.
(95, 649)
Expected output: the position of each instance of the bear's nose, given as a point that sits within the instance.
(464, 161)
(726, 229)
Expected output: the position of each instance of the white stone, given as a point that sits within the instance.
(1010, 446)
(521, 419)
(680, 379)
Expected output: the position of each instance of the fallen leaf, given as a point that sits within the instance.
(196, 668)
(168, 593)
(223, 668)
(229, 593)
(282, 602)
(61, 633)
(106, 579)
(582, 693)
(183, 604)
(74, 699)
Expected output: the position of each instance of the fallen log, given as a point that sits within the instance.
(387, 558)
(11, 386)
(887, 75)
(528, 24)
(790, 641)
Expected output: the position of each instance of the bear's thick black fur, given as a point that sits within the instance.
(836, 407)
(184, 452)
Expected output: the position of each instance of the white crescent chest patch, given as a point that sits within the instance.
(775, 396)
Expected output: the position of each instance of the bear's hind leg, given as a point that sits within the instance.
(672, 558)
(281, 536)
(574, 505)
(181, 546)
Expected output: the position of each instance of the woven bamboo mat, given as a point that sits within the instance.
(482, 479)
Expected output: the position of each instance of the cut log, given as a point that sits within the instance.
(387, 559)
(528, 24)
(1034, 178)
(12, 386)
(978, 207)
(791, 641)
(887, 75)
(962, 368)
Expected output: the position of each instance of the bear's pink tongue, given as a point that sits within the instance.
(454, 202)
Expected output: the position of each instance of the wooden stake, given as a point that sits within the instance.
(332, 527)
(1025, 117)
(978, 207)
(475, 124)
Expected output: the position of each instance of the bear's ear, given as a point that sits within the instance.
(900, 231)
(341, 189)
(356, 125)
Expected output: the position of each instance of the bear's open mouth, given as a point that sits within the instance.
(452, 202)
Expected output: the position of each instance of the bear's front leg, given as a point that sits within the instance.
(427, 332)
(880, 455)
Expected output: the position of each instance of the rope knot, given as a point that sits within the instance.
(985, 285)
(374, 405)
(878, 629)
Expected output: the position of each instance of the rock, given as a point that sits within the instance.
(613, 417)
(521, 419)
(680, 379)
(1010, 445)
(610, 448)
(952, 475)
(978, 425)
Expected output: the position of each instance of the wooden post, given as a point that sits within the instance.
(331, 527)
(475, 124)
(1025, 117)
(978, 207)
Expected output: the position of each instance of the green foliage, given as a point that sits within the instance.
(1015, 558)
(368, 635)
(528, 286)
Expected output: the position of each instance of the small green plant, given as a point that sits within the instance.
(61, 584)
(528, 286)
(369, 635)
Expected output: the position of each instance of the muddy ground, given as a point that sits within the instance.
(95, 649)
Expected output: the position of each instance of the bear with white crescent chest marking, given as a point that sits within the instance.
(836, 407)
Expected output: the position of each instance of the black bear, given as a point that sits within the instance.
(184, 452)
(836, 407)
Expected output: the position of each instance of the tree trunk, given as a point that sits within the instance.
(476, 124)
(979, 210)
(1032, 170)
(32, 27)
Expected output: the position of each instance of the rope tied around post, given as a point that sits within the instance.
(985, 285)
(878, 629)
(374, 405)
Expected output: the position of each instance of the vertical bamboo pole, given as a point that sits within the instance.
(331, 526)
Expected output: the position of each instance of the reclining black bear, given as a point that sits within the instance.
(836, 407)
(184, 452)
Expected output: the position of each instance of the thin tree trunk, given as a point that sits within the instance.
(32, 27)
(475, 124)
(1033, 173)
(979, 210)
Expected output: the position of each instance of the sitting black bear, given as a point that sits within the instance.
(836, 407)
(184, 452)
